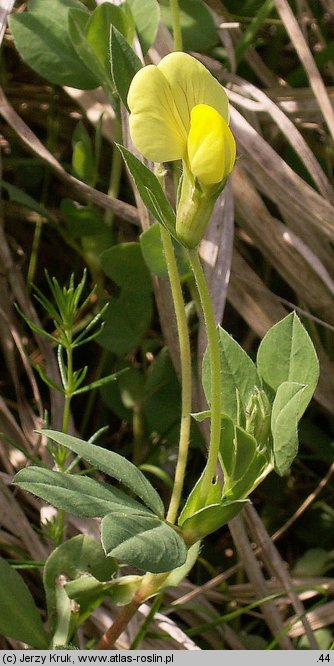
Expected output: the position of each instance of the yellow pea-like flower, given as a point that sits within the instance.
(179, 111)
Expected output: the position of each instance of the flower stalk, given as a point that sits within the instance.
(185, 359)
(177, 33)
(215, 362)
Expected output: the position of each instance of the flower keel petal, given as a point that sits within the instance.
(211, 145)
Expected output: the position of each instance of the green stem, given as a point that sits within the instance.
(138, 434)
(87, 416)
(52, 133)
(175, 11)
(185, 359)
(152, 583)
(66, 421)
(69, 388)
(66, 414)
(115, 175)
(34, 251)
(215, 364)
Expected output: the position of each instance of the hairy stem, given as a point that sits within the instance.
(66, 421)
(108, 639)
(151, 584)
(185, 358)
(215, 363)
(147, 623)
(115, 175)
(68, 388)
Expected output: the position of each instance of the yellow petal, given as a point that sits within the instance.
(155, 126)
(211, 145)
(191, 84)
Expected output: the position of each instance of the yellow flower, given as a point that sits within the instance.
(211, 146)
(179, 111)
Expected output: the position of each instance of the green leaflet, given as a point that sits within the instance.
(83, 160)
(210, 518)
(241, 488)
(75, 559)
(42, 40)
(16, 194)
(239, 377)
(150, 191)
(19, 617)
(243, 462)
(102, 19)
(287, 354)
(143, 541)
(151, 246)
(195, 500)
(245, 446)
(114, 465)
(124, 264)
(227, 445)
(284, 421)
(126, 321)
(76, 494)
(124, 63)
(146, 14)
(91, 40)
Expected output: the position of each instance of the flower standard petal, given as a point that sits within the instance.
(155, 126)
(191, 84)
(211, 145)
